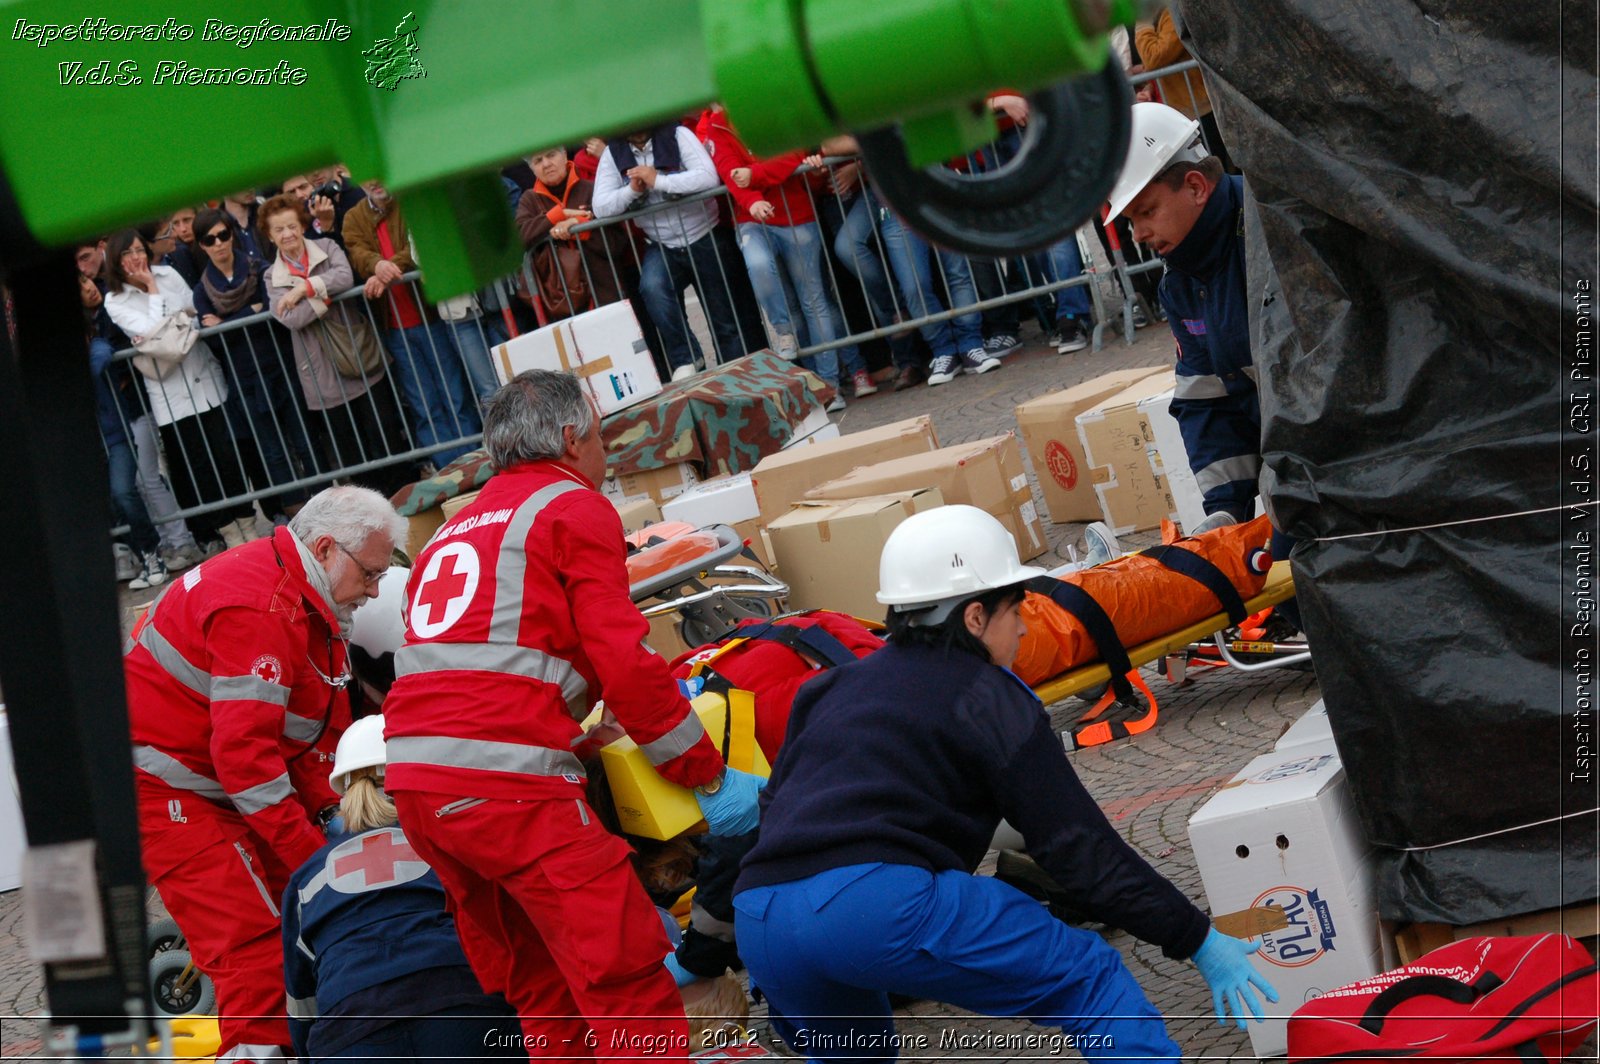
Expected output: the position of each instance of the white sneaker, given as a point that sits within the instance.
(943, 370)
(1220, 519)
(683, 373)
(1100, 544)
(838, 401)
(127, 562)
(979, 361)
(788, 348)
(182, 557)
(233, 534)
(153, 574)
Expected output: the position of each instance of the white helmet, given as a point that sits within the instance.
(379, 624)
(1161, 136)
(943, 556)
(361, 746)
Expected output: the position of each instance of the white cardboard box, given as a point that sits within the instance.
(1169, 458)
(815, 422)
(1283, 832)
(723, 501)
(604, 347)
(1311, 728)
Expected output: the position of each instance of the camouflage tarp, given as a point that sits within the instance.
(722, 421)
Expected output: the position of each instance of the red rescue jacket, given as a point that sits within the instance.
(519, 622)
(233, 692)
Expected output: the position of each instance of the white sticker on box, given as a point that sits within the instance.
(62, 918)
(1030, 515)
(1019, 482)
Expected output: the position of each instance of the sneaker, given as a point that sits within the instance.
(127, 566)
(838, 401)
(979, 361)
(153, 573)
(1002, 345)
(1070, 335)
(1140, 318)
(943, 370)
(1220, 519)
(909, 377)
(683, 373)
(182, 557)
(788, 348)
(1100, 544)
(863, 382)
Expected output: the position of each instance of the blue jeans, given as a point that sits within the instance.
(472, 339)
(1066, 263)
(828, 950)
(663, 276)
(785, 266)
(434, 388)
(909, 258)
(126, 504)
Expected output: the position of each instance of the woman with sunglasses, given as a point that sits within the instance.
(260, 407)
(202, 462)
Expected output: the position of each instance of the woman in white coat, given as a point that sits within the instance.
(202, 462)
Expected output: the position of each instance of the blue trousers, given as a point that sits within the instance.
(827, 951)
(785, 267)
(449, 1034)
(428, 366)
(909, 258)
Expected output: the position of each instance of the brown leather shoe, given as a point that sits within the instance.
(909, 377)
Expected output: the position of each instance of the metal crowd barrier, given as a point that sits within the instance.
(284, 447)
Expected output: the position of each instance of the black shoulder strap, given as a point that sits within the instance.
(1188, 563)
(1078, 602)
(814, 641)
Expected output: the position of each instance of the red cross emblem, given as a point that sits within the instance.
(446, 589)
(378, 858)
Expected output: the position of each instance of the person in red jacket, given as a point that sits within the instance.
(782, 247)
(236, 700)
(519, 622)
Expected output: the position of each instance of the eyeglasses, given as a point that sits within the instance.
(368, 576)
(211, 239)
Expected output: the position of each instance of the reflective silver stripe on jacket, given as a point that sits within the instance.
(177, 666)
(174, 773)
(485, 755)
(1226, 470)
(301, 1008)
(313, 886)
(262, 796)
(301, 729)
(1199, 386)
(248, 688)
(687, 732)
(510, 659)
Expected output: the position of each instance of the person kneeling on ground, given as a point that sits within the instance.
(895, 772)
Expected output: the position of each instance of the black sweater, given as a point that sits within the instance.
(912, 756)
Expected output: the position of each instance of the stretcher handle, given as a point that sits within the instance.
(1416, 986)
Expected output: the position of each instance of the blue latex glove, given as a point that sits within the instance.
(692, 687)
(733, 809)
(680, 975)
(1222, 959)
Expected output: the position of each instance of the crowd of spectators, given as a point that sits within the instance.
(793, 253)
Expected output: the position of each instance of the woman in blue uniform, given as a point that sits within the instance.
(895, 772)
(372, 964)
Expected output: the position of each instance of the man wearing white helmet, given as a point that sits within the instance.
(1184, 207)
(895, 772)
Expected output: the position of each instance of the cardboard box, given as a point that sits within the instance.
(657, 485)
(782, 478)
(1311, 729)
(719, 501)
(420, 528)
(1169, 458)
(815, 422)
(1117, 440)
(648, 805)
(1284, 832)
(987, 474)
(830, 431)
(756, 537)
(604, 347)
(1050, 433)
(828, 550)
(638, 513)
(451, 507)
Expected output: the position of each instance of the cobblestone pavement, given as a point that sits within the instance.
(1148, 785)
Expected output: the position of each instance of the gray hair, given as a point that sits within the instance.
(349, 514)
(524, 420)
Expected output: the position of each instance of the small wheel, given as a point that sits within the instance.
(163, 935)
(178, 988)
(1073, 148)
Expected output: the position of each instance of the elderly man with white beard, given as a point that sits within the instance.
(236, 682)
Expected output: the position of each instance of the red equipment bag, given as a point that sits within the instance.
(1531, 998)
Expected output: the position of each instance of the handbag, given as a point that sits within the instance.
(163, 351)
(562, 284)
(353, 350)
(1529, 998)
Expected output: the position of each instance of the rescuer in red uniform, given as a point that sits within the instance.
(236, 700)
(519, 621)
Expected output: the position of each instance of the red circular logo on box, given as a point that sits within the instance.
(1062, 468)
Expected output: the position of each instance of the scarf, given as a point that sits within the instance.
(318, 578)
(229, 300)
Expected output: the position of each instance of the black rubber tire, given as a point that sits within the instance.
(163, 935)
(199, 997)
(1073, 148)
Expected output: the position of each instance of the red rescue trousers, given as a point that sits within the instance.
(558, 921)
(222, 887)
